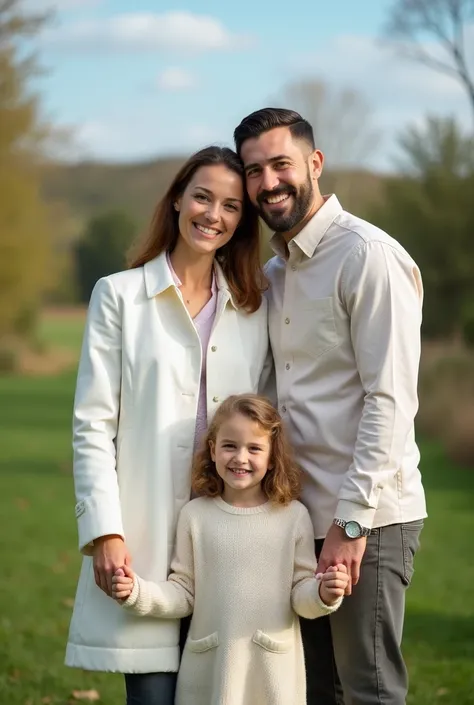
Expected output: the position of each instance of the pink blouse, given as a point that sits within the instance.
(203, 323)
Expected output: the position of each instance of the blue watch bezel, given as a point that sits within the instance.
(348, 531)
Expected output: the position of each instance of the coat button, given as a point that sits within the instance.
(287, 365)
(215, 399)
(283, 408)
(214, 348)
(287, 320)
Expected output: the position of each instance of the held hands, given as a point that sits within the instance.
(333, 584)
(110, 553)
(339, 549)
(122, 583)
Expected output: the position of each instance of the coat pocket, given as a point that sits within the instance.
(270, 644)
(199, 646)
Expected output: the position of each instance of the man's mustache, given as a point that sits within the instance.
(278, 191)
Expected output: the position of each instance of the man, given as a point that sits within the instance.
(345, 314)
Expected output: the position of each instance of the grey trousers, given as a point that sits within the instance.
(354, 657)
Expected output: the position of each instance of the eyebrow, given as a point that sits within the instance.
(253, 443)
(278, 158)
(203, 188)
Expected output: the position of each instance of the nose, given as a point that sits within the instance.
(212, 213)
(241, 456)
(269, 180)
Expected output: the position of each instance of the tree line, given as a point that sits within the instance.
(427, 205)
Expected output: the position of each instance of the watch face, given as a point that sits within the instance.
(353, 529)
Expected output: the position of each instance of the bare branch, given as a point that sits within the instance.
(341, 120)
(420, 55)
(445, 21)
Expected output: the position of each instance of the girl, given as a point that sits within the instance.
(165, 341)
(244, 565)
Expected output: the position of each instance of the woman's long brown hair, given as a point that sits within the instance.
(239, 258)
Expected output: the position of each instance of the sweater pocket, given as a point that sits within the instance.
(270, 644)
(199, 646)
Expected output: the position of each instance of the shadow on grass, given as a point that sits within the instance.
(35, 466)
(447, 637)
(439, 473)
(43, 404)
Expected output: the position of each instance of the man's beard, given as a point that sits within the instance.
(286, 221)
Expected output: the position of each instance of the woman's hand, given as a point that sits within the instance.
(122, 583)
(110, 553)
(333, 584)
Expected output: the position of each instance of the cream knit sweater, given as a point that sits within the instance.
(245, 573)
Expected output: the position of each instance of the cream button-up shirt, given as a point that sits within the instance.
(345, 306)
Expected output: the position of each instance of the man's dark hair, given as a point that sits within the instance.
(267, 119)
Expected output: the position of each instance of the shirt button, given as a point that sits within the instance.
(214, 348)
(287, 320)
(293, 267)
(283, 408)
(215, 399)
(287, 365)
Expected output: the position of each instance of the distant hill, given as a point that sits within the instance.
(89, 188)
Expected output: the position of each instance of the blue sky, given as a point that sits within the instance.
(136, 80)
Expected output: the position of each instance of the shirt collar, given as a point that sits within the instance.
(159, 276)
(313, 232)
(178, 281)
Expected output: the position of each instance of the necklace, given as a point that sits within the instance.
(188, 300)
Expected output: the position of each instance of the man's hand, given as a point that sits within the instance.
(338, 549)
(110, 553)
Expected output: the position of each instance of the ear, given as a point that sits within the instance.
(316, 163)
(177, 204)
(212, 448)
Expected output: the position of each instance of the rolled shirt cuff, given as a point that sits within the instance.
(352, 511)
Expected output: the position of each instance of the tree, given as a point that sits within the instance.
(25, 243)
(430, 209)
(341, 120)
(103, 249)
(446, 22)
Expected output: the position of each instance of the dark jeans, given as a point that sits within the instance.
(155, 688)
(354, 657)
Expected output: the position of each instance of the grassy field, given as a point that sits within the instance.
(40, 560)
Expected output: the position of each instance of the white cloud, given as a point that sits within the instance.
(135, 137)
(174, 78)
(172, 31)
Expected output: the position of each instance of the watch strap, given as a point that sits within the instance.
(364, 531)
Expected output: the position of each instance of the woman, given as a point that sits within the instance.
(165, 342)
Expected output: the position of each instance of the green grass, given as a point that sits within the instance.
(41, 563)
(62, 330)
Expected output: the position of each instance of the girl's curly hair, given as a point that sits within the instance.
(282, 482)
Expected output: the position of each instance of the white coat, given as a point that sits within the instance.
(134, 418)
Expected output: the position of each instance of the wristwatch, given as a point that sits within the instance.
(352, 529)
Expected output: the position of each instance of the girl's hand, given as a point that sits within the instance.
(333, 584)
(122, 583)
